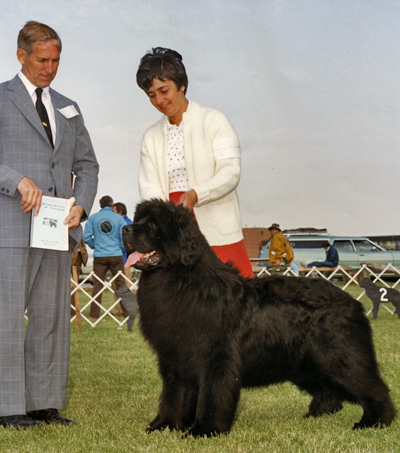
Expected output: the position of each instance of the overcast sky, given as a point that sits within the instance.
(312, 88)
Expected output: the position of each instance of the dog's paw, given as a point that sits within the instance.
(151, 428)
(157, 424)
(202, 431)
(361, 425)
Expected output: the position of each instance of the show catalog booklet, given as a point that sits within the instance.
(47, 228)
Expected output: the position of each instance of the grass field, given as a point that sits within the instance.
(114, 388)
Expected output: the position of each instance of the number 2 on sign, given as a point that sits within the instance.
(383, 295)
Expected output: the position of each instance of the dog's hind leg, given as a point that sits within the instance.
(323, 403)
(360, 382)
(396, 302)
(377, 412)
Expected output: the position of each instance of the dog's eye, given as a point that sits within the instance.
(152, 225)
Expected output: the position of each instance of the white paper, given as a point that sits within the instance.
(47, 228)
(69, 111)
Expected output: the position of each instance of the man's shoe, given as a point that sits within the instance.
(50, 416)
(18, 421)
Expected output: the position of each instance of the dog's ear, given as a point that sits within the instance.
(191, 241)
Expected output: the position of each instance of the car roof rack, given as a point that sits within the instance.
(306, 231)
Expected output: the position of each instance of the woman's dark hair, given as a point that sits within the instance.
(161, 63)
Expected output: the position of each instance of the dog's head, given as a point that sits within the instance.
(162, 235)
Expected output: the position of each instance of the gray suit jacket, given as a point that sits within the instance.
(25, 151)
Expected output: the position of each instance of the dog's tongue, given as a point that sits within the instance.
(133, 258)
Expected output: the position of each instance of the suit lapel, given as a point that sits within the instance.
(60, 119)
(20, 97)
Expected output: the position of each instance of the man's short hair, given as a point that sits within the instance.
(33, 32)
(121, 208)
(106, 201)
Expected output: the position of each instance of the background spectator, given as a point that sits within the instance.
(121, 210)
(103, 233)
(332, 257)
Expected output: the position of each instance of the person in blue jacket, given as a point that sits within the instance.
(121, 210)
(103, 234)
(332, 257)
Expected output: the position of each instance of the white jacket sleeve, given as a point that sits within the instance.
(226, 154)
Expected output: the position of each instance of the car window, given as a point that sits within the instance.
(300, 244)
(365, 246)
(344, 245)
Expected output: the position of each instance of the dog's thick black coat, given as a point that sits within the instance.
(215, 332)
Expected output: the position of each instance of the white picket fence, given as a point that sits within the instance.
(82, 291)
(366, 271)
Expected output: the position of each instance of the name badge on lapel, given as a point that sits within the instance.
(69, 112)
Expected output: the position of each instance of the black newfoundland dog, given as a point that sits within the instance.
(215, 332)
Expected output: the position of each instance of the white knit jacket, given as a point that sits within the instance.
(212, 154)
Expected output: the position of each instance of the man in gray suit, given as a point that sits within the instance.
(38, 156)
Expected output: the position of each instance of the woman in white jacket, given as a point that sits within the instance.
(192, 157)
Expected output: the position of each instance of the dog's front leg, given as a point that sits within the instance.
(219, 393)
(171, 408)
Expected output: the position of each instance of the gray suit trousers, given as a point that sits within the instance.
(34, 371)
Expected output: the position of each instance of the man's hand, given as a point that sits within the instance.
(31, 195)
(73, 219)
(188, 199)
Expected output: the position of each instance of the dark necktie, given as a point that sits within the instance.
(41, 109)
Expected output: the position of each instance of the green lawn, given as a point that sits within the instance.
(114, 388)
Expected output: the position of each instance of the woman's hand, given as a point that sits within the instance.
(188, 199)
